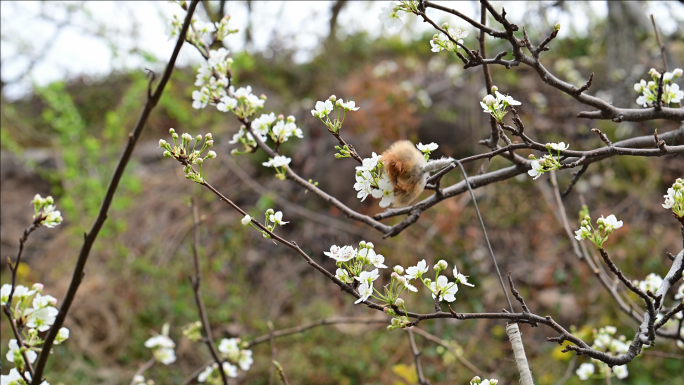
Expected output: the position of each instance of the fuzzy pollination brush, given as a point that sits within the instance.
(408, 170)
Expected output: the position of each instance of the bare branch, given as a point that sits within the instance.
(416, 358)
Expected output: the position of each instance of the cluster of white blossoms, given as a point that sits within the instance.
(339, 109)
(34, 313)
(280, 164)
(272, 219)
(547, 162)
(606, 226)
(235, 357)
(189, 156)
(354, 265)
(605, 342)
(478, 381)
(674, 199)
(651, 283)
(46, 212)
(162, 346)
(649, 91)
(371, 180)
(441, 41)
(496, 106)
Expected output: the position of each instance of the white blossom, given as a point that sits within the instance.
(226, 104)
(391, 17)
(14, 347)
(42, 318)
(278, 161)
(620, 371)
(229, 347)
(200, 98)
(537, 170)
(277, 218)
(216, 57)
(343, 276)
(418, 270)
(611, 222)
(322, 109)
(368, 277)
(385, 191)
(365, 291)
(506, 98)
(585, 371)
(652, 283)
(427, 147)
(62, 335)
(350, 105)
(460, 278)
(341, 254)
(245, 361)
(559, 146)
(445, 289)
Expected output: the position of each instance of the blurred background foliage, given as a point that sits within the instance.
(64, 139)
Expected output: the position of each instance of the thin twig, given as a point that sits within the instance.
(271, 340)
(91, 236)
(568, 371)
(447, 345)
(416, 358)
(143, 369)
(204, 319)
(281, 372)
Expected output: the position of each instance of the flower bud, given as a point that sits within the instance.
(531, 156)
(677, 72)
(489, 100)
(199, 137)
(476, 380)
(209, 136)
(290, 119)
(362, 244)
(246, 220)
(441, 265)
(493, 381)
(398, 269)
(332, 98)
(162, 143)
(210, 143)
(495, 88)
(585, 223)
(167, 154)
(211, 154)
(172, 131)
(281, 117)
(401, 279)
(601, 227)
(609, 230)
(37, 287)
(49, 200)
(557, 27)
(386, 310)
(198, 161)
(428, 281)
(370, 245)
(270, 212)
(395, 275)
(445, 25)
(263, 97)
(174, 135)
(399, 302)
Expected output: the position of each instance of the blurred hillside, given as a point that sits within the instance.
(64, 139)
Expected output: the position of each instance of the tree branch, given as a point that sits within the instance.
(91, 236)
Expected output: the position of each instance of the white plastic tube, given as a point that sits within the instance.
(519, 352)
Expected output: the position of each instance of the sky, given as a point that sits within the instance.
(102, 37)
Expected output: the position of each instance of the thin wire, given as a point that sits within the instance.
(491, 252)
